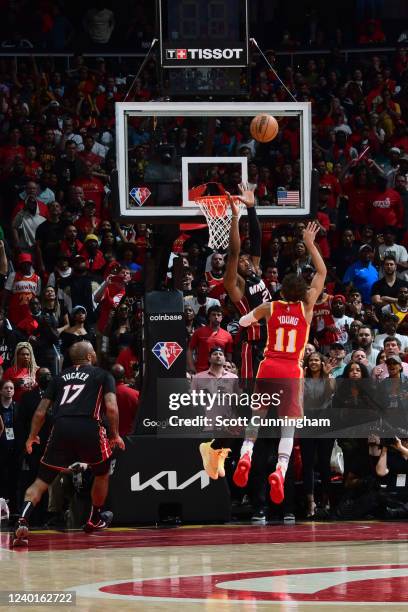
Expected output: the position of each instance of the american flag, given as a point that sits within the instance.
(286, 198)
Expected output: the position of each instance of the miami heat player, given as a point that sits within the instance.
(247, 290)
(244, 285)
(288, 325)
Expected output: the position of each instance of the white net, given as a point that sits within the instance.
(218, 215)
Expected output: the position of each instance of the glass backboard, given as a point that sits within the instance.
(164, 149)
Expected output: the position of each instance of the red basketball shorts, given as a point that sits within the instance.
(285, 377)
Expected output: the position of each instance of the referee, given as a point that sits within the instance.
(77, 395)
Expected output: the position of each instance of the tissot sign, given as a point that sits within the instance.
(181, 56)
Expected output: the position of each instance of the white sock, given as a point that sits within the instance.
(285, 448)
(247, 447)
(282, 463)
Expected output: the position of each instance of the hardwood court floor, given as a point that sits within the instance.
(307, 567)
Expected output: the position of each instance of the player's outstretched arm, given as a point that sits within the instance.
(232, 280)
(317, 285)
(247, 197)
(36, 424)
(263, 311)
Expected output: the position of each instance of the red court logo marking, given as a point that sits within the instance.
(373, 584)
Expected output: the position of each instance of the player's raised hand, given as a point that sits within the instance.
(30, 442)
(247, 196)
(310, 233)
(233, 204)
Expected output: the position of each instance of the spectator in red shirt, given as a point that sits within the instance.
(207, 337)
(385, 206)
(31, 191)
(10, 151)
(93, 256)
(92, 186)
(23, 371)
(87, 154)
(71, 246)
(330, 181)
(129, 359)
(358, 191)
(88, 222)
(128, 401)
(33, 167)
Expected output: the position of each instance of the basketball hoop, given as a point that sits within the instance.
(218, 214)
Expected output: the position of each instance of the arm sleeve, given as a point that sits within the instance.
(255, 234)
(109, 384)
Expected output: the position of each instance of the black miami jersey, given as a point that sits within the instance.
(255, 294)
(79, 391)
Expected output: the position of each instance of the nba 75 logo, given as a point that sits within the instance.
(167, 353)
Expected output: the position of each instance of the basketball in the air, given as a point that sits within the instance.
(264, 128)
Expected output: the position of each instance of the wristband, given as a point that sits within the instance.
(248, 319)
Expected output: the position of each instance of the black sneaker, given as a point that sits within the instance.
(105, 519)
(259, 517)
(20, 534)
(289, 518)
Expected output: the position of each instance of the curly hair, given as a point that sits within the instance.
(294, 288)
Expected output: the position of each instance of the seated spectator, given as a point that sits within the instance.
(23, 370)
(25, 225)
(201, 303)
(189, 318)
(207, 337)
(128, 401)
(127, 254)
(392, 348)
(362, 274)
(118, 329)
(400, 307)
(129, 358)
(48, 238)
(62, 269)
(385, 291)
(9, 337)
(20, 287)
(75, 332)
(93, 256)
(88, 222)
(365, 339)
(92, 186)
(392, 463)
(385, 206)
(337, 354)
(389, 324)
(31, 191)
(70, 246)
(389, 247)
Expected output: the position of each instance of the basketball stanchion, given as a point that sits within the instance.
(157, 476)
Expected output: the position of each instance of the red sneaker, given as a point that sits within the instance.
(277, 484)
(241, 473)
